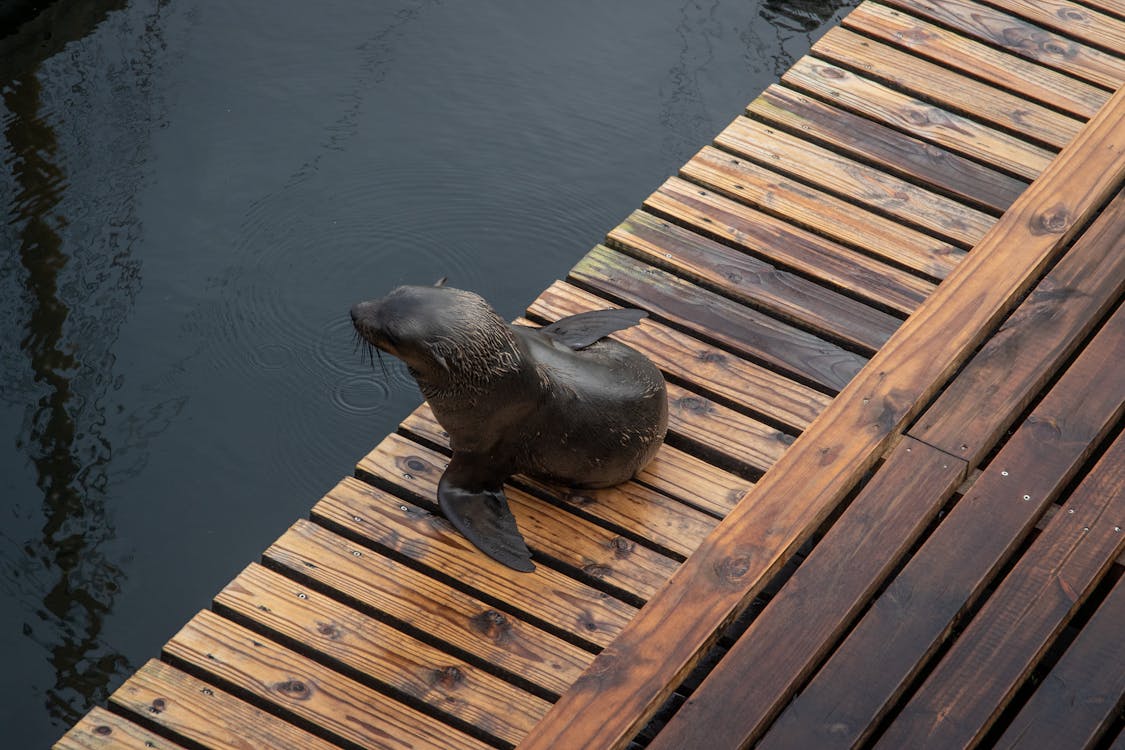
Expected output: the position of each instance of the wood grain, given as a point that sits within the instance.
(817, 604)
(1072, 19)
(101, 730)
(918, 118)
(936, 167)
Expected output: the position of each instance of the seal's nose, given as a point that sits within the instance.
(361, 310)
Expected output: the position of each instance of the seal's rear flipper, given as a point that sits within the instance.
(484, 518)
(581, 330)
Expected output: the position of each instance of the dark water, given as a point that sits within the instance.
(194, 193)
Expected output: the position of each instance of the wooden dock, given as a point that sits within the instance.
(891, 507)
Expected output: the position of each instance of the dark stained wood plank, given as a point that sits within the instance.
(751, 281)
(1071, 19)
(664, 641)
(951, 50)
(947, 88)
(101, 730)
(962, 698)
(745, 181)
(918, 118)
(745, 331)
(688, 359)
(424, 535)
(1021, 38)
(202, 713)
(817, 604)
(889, 149)
(788, 246)
(1089, 681)
(339, 705)
(952, 221)
(432, 607)
(918, 609)
(678, 474)
(1000, 381)
(378, 651)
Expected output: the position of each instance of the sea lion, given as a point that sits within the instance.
(559, 403)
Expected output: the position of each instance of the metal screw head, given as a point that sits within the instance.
(1027, 497)
(1004, 473)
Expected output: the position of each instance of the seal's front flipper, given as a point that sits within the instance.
(581, 330)
(483, 516)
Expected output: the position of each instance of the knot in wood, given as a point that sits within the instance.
(416, 465)
(448, 677)
(693, 404)
(329, 630)
(828, 72)
(103, 729)
(157, 706)
(579, 500)
(596, 570)
(732, 569)
(491, 624)
(1053, 220)
(711, 357)
(295, 689)
(622, 547)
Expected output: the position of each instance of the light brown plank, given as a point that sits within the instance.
(101, 730)
(817, 604)
(432, 607)
(378, 651)
(745, 181)
(962, 698)
(339, 705)
(952, 221)
(951, 50)
(1020, 38)
(789, 246)
(637, 672)
(1071, 19)
(918, 118)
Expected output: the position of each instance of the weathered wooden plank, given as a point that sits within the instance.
(1005, 70)
(745, 331)
(443, 613)
(1021, 38)
(825, 214)
(751, 281)
(1011, 368)
(202, 713)
(789, 246)
(952, 221)
(918, 609)
(1112, 7)
(378, 651)
(101, 730)
(817, 604)
(339, 705)
(918, 118)
(688, 359)
(952, 91)
(1071, 19)
(548, 529)
(638, 671)
(674, 472)
(1088, 681)
(889, 149)
(962, 698)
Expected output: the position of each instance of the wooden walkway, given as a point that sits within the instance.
(890, 509)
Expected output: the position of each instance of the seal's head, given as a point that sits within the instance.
(449, 338)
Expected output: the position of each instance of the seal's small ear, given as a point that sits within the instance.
(441, 281)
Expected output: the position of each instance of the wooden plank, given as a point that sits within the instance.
(918, 609)
(745, 181)
(101, 730)
(638, 671)
(789, 246)
(552, 531)
(341, 706)
(1112, 7)
(918, 118)
(379, 652)
(688, 359)
(673, 472)
(817, 604)
(965, 694)
(1089, 681)
(1002, 69)
(952, 91)
(1074, 20)
(753, 282)
(951, 221)
(744, 331)
(202, 713)
(1013, 366)
(441, 612)
(888, 149)
(1019, 37)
